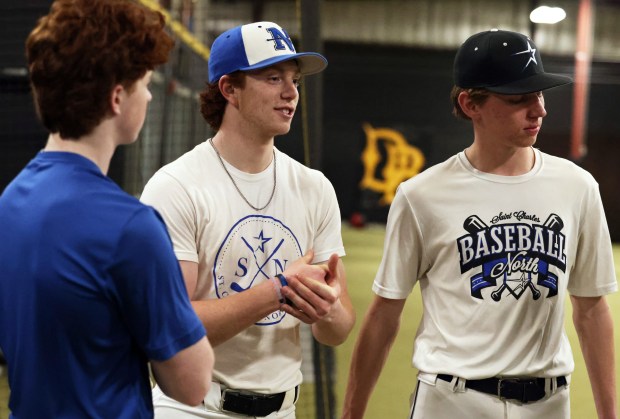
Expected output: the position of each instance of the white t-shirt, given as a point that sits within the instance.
(495, 256)
(237, 247)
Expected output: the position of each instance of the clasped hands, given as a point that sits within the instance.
(313, 290)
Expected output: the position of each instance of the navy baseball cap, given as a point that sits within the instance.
(258, 45)
(503, 62)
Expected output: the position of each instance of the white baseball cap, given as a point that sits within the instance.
(258, 45)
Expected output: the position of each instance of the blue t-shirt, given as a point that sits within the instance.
(90, 290)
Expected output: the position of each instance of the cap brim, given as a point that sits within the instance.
(534, 83)
(309, 62)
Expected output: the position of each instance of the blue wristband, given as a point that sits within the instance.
(284, 283)
(282, 279)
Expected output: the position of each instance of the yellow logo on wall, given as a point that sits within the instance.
(403, 161)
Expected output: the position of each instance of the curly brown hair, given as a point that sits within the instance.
(478, 96)
(213, 103)
(82, 49)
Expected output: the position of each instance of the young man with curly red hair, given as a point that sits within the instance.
(90, 289)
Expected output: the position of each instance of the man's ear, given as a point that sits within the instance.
(116, 98)
(228, 90)
(468, 106)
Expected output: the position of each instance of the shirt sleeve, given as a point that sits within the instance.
(402, 251)
(593, 273)
(328, 239)
(172, 201)
(148, 285)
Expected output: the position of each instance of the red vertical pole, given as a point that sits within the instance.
(583, 59)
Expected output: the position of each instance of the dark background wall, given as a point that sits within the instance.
(408, 90)
(603, 158)
(20, 132)
(400, 88)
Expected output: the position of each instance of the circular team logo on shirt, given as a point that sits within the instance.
(256, 249)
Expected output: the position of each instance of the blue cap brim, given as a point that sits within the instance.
(308, 62)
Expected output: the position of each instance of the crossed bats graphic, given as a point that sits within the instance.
(473, 224)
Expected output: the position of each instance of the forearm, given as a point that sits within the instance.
(594, 326)
(186, 376)
(335, 328)
(372, 348)
(226, 317)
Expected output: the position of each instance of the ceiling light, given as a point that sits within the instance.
(546, 14)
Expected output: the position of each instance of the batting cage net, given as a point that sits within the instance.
(173, 126)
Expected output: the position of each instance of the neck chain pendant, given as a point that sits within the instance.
(273, 191)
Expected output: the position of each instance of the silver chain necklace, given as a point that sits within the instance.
(273, 191)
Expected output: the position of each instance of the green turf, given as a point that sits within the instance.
(391, 396)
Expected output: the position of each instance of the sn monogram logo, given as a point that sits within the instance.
(256, 249)
(280, 40)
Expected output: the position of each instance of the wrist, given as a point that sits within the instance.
(282, 279)
(278, 288)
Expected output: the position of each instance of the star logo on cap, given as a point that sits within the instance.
(531, 51)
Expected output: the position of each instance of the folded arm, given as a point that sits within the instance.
(226, 317)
